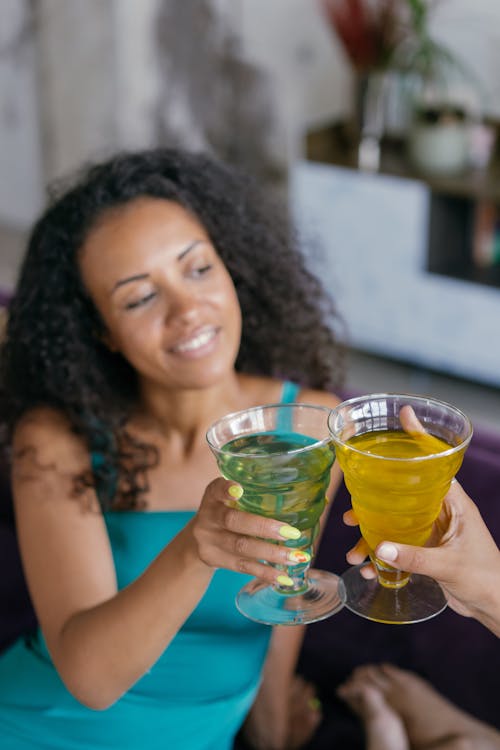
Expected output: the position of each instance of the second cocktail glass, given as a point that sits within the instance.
(399, 454)
(282, 454)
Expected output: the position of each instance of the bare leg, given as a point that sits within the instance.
(431, 722)
(384, 728)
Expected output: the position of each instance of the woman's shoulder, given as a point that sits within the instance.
(44, 436)
(321, 398)
(42, 421)
(273, 390)
(260, 389)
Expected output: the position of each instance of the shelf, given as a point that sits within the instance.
(453, 201)
(399, 261)
(334, 145)
(451, 228)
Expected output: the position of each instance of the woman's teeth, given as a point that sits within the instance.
(197, 342)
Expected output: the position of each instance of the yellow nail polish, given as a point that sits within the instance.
(284, 580)
(235, 491)
(289, 532)
(315, 704)
(299, 556)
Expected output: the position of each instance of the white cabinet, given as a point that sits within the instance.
(373, 233)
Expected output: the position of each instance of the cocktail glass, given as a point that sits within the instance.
(399, 454)
(281, 455)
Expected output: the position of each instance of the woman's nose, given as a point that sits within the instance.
(183, 306)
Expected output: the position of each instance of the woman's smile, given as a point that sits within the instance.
(200, 343)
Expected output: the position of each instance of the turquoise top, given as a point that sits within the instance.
(289, 393)
(196, 695)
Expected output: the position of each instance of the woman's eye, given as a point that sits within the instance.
(138, 303)
(202, 269)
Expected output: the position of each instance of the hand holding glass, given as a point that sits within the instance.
(281, 455)
(399, 454)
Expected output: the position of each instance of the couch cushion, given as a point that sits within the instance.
(456, 654)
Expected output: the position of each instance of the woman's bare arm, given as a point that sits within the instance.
(103, 640)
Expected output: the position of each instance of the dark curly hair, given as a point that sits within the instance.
(53, 353)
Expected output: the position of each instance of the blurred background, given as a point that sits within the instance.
(374, 120)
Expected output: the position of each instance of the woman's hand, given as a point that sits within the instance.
(462, 557)
(283, 722)
(227, 537)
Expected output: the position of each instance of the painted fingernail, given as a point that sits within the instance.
(235, 491)
(315, 704)
(387, 552)
(298, 556)
(289, 532)
(284, 580)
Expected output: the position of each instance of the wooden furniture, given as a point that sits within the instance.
(400, 253)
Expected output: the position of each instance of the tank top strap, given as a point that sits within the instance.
(289, 392)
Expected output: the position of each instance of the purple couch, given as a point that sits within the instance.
(459, 656)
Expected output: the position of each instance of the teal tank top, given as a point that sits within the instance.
(195, 696)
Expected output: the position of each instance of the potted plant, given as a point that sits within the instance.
(393, 36)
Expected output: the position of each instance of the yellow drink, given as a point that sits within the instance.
(398, 498)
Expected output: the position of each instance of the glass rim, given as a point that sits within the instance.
(264, 407)
(348, 402)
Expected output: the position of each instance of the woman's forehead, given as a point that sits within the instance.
(137, 234)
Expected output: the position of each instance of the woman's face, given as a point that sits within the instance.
(166, 299)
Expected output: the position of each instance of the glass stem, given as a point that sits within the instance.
(297, 572)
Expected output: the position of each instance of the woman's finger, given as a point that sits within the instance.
(231, 518)
(254, 548)
(350, 518)
(250, 524)
(253, 568)
(368, 571)
(424, 560)
(358, 553)
(409, 421)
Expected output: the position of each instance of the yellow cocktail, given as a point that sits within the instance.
(398, 454)
(397, 500)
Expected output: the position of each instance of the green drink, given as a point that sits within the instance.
(281, 455)
(290, 486)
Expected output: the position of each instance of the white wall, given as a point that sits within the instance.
(76, 86)
(471, 29)
(90, 83)
(292, 39)
(20, 157)
(312, 77)
(138, 81)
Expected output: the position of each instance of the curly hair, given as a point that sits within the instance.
(53, 353)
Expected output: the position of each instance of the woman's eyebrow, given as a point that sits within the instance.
(191, 246)
(136, 277)
(140, 276)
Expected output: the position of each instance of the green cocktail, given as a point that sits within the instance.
(290, 485)
(284, 470)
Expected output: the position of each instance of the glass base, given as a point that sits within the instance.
(263, 603)
(421, 598)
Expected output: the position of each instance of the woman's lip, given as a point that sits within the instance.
(198, 343)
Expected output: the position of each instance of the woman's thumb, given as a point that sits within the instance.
(423, 560)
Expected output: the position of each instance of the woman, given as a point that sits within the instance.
(154, 298)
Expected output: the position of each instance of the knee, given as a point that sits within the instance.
(461, 742)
